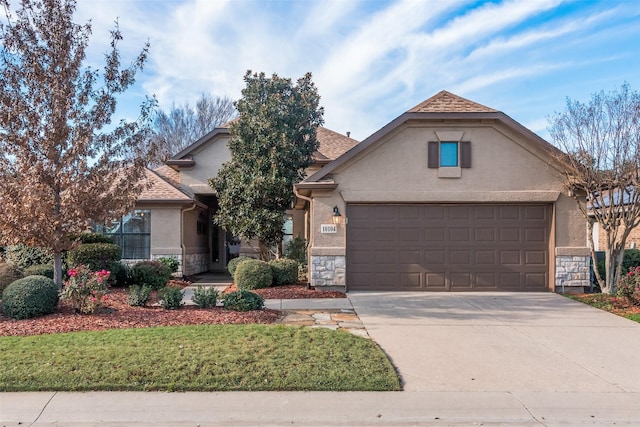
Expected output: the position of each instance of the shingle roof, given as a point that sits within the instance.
(169, 174)
(333, 144)
(161, 190)
(447, 102)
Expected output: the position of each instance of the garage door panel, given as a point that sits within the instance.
(509, 235)
(448, 247)
(460, 281)
(459, 257)
(409, 235)
(485, 235)
(460, 212)
(434, 212)
(486, 281)
(535, 280)
(459, 235)
(486, 258)
(509, 212)
(434, 235)
(535, 257)
(385, 257)
(535, 212)
(537, 234)
(435, 258)
(510, 257)
(360, 234)
(435, 280)
(410, 257)
(410, 280)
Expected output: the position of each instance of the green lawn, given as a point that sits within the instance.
(196, 358)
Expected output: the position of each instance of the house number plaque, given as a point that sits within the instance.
(328, 228)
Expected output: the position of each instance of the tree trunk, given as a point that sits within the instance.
(57, 269)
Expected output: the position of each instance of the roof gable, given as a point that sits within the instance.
(447, 102)
(331, 144)
(442, 106)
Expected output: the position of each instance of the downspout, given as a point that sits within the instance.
(307, 231)
(182, 246)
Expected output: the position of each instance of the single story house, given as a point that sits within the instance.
(173, 218)
(450, 196)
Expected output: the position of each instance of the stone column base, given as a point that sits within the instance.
(328, 272)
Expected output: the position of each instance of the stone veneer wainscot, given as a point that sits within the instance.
(328, 271)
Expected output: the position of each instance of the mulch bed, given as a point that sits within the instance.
(617, 305)
(117, 314)
(291, 292)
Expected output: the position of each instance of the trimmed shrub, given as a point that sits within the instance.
(170, 262)
(152, 273)
(170, 297)
(31, 296)
(205, 297)
(23, 256)
(297, 250)
(96, 256)
(9, 273)
(253, 274)
(138, 296)
(85, 238)
(45, 270)
(284, 271)
(120, 274)
(233, 264)
(243, 301)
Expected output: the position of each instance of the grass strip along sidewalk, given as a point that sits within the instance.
(196, 358)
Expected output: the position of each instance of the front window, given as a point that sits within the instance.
(132, 233)
(448, 154)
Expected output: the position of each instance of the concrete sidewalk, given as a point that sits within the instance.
(319, 409)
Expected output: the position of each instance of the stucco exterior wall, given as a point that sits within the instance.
(505, 169)
(165, 234)
(209, 160)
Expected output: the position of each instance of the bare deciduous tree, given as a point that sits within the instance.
(62, 163)
(602, 142)
(181, 126)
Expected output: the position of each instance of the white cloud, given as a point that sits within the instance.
(373, 60)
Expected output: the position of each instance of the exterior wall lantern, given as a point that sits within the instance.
(337, 217)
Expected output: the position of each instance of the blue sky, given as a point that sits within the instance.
(373, 60)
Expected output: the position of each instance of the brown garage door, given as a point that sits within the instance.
(448, 247)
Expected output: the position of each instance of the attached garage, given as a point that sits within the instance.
(449, 196)
(457, 247)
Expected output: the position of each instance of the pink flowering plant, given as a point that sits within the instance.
(629, 286)
(85, 290)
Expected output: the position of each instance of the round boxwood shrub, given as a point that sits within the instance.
(233, 264)
(253, 274)
(96, 256)
(284, 271)
(94, 238)
(243, 301)
(151, 273)
(31, 296)
(45, 270)
(9, 273)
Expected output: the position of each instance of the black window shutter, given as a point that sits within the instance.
(465, 154)
(434, 155)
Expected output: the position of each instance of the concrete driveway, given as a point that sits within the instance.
(520, 342)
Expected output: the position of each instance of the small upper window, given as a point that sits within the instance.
(448, 154)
